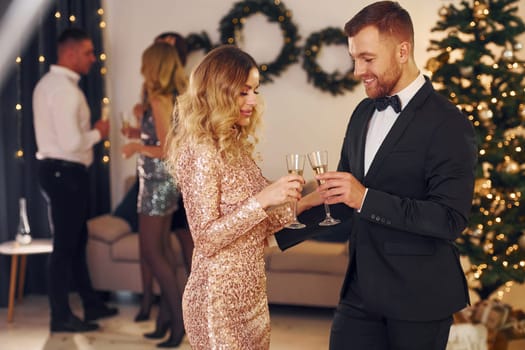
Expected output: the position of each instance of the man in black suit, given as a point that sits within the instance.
(405, 179)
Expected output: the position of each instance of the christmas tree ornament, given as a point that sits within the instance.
(521, 110)
(509, 166)
(481, 10)
(465, 83)
(466, 71)
(484, 112)
(508, 54)
(433, 64)
(521, 241)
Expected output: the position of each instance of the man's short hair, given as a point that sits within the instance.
(72, 35)
(387, 16)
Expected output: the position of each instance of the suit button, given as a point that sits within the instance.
(373, 216)
(378, 218)
(383, 220)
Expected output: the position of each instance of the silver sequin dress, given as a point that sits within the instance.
(224, 303)
(158, 194)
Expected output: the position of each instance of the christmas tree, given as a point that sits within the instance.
(477, 67)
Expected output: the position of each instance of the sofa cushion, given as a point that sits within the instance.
(126, 248)
(107, 228)
(310, 257)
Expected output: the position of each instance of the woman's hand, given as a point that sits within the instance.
(130, 149)
(138, 111)
(130, 132)
(283, 190)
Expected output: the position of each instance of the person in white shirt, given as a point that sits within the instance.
(65, 139)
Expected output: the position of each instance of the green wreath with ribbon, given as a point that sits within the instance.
(232, 24)
(198, 42)
(336, 82)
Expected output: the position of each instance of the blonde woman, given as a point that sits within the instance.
(231, 207)
(158, 197)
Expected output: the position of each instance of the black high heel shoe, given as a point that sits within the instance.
(173, 341)
(159, 332)
(142, 315)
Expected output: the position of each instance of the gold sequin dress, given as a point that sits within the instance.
(224, 303)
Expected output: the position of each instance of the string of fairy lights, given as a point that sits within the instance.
(42, 60)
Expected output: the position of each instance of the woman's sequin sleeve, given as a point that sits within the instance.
(201, 175)
(279, 216)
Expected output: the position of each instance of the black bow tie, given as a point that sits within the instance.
(383, 102)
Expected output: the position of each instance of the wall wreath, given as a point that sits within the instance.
(198, 42)
(335, 83)
(231, 25)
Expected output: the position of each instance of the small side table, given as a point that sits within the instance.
(15, 249)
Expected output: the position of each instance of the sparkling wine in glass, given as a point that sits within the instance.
(295, 165)
(319, 162)
(125, 121)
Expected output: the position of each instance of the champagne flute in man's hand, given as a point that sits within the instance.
(319, 162)
(295, 165)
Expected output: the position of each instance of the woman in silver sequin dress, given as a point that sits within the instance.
(231, 208)
(176, 40)
(158, 196)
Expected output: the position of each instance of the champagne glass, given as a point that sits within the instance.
(295, 165)
(319, 162)
(104, 111)
(125, 122)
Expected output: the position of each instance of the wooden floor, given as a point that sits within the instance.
(293, 328)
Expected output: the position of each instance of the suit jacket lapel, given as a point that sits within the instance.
(403, 121)
(359, 164)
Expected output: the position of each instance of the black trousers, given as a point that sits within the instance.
(66, 188)
(356, 328)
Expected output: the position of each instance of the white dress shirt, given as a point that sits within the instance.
(62, 118)
(382, 121)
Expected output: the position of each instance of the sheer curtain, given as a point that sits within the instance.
(17, 142)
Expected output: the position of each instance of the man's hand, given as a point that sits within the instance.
(340, 187)
(103, 128)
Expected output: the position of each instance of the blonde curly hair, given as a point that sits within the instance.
(162, 70)
(208, 111)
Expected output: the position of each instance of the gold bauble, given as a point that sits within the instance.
(521, 241)
(485, 114)
(443, 11)
(521, 110)
(508, 55)
(481, 10)
(466, 71)
(509, 166)
(433, 64)
(482, 186)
